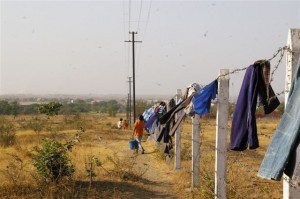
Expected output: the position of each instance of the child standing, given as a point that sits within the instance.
(119, 124)
(138, 132)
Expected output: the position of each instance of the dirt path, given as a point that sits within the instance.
(157, 181)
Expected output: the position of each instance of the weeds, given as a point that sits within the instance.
(15, 170)
(7, 133)
(90, 165)
(127, 169)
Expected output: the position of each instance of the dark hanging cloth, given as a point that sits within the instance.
(172, 103)
(164, 134)
(171, 113)
(169, 118)
(168, 147)
(255, 83)
(177, 123)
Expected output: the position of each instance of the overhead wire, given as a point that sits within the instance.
(143, 32)
(129, 15)
(126, 45)
(148, 17)
(141, 7)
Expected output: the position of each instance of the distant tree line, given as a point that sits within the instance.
(112, 107)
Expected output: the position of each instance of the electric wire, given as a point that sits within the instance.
(141, 7)
(126, 45)
(143, 35)
(129, 15)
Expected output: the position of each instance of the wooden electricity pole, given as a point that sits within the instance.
(133, 73)
(129, 102)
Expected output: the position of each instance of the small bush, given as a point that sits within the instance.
(52, 160)
(90, 166)
(7, 133)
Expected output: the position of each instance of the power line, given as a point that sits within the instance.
(129, 6)
(138, 26)
(126, 57)
(144, 33)
(148, 17)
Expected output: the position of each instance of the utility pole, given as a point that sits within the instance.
(129, 102)
(133, 73)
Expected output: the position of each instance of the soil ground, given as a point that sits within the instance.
(158, 180)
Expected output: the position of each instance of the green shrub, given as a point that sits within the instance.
(52, 160)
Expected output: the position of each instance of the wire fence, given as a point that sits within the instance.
(241, 166)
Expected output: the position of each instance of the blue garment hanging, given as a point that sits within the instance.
(202, 99)
(150, 122)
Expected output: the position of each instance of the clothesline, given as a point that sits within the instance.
(197, 100)
(281, 50)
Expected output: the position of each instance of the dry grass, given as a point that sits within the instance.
(20, 180)
(242, 167)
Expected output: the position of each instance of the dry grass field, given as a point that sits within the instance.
(123, 173)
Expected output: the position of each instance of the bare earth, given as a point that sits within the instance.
(157, 181)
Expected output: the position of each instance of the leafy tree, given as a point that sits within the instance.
(15, 108)
(141, 106)
(50, 109)
(29, 109)
(5, 108)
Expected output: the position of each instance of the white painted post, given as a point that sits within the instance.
(155, 135)
(177, 152)
(168, 158)
(221, 134)
(195, 150)
(293, 43)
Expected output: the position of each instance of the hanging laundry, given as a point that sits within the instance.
(200, 103)
(202, 99)
(152, 115)
(161, 109)
(280, 156)
(255, 83)
(191, 89)
(189, 93)
(151, 121)
(171, 103)
(169, 118)
(176, 125)
(147, 113)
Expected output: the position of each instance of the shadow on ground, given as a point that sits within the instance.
(111, 189)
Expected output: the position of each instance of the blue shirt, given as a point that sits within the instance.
(202, 99)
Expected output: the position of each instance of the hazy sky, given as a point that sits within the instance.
(77, 47)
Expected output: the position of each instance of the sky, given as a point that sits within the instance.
(78, 47)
